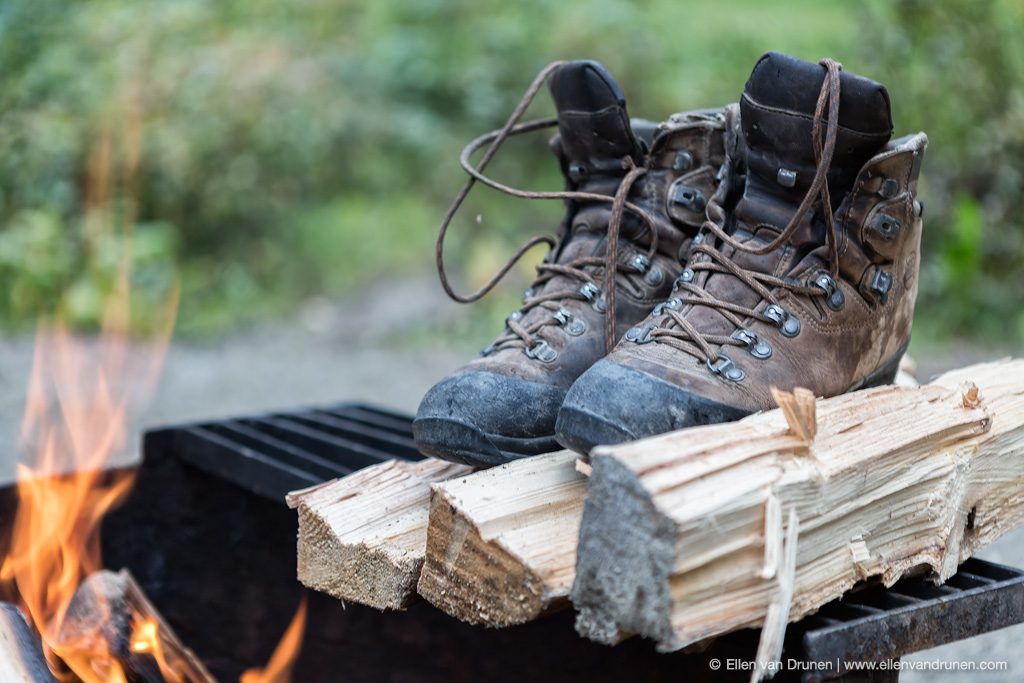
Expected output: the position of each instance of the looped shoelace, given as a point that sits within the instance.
(680, 333)
(573, 269)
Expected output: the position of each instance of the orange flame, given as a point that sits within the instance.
(80, 397)
(80, 394)
(279, 668)
(146, 639)
(75, 424)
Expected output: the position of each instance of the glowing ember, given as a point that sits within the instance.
(146, 640)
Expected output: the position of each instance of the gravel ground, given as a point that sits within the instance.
(353, 351)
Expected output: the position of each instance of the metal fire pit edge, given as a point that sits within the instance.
(206, 533)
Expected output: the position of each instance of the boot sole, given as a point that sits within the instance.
(597, 410)
(465, 444)
(580, 430)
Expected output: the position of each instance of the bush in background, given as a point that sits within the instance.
(264, 152)
(956, 70)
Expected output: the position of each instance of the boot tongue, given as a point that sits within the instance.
(594, 128)
(594, 135)
(777, 114)
(777, 118)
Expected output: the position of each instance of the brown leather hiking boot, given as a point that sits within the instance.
(805, 273)
(646, 198)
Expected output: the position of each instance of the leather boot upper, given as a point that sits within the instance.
(595, 134)
(828, 322)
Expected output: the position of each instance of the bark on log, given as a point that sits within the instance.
(104, 615)
(21, 656)
(501, 545)
(683, 535)
(362, 538)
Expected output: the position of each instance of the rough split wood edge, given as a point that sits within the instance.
(363, 537)
(501, 543)
(677, 541)
(21, 657)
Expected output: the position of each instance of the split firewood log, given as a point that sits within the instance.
(686, 535)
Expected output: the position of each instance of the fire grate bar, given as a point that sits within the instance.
(878, 624)
(275, 453)
(279, 452)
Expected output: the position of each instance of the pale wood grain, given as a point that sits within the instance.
(363, 537)
(680, 531)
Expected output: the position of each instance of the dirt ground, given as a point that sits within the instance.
(352, 351)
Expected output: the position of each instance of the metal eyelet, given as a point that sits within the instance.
(758, 348)
(890, 188)
(683, 161)
(788, 324)
(834, 297)
(513, 316)
(655, 276)
(589, 291)
(697, 239)
(673, 303)
(640, 263)
(726, 369)
(593, 294)
(886, 226)
(527, 294)
(640, 335)
(686, 276)
(688, 197)
(541, 351)
(572, 325)
(785, 177)
(881, 283)
(578, 172)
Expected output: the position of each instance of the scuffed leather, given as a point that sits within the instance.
(836, 351)
(699, 133)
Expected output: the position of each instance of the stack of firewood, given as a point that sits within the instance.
(692, 534)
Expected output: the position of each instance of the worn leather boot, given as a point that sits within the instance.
(645, 197)
(805, 273)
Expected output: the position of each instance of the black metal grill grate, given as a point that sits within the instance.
(276, 453)
(281, 452)
(878, 623)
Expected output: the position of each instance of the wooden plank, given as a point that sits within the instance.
(109, 614)
(681, 534)
(363, 537)
(501, 544)
(21, 655)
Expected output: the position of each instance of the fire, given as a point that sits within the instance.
(75, 424)
(81, 396)
(279, 668)
(146, 639)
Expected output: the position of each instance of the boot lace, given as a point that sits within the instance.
(675, 330)
(579, 269)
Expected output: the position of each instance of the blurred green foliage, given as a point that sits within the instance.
(956, 70)
(261, 152)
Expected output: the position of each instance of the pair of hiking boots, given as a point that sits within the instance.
(701, 261)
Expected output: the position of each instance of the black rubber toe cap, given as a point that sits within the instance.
(612, 403)
(484, 419)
